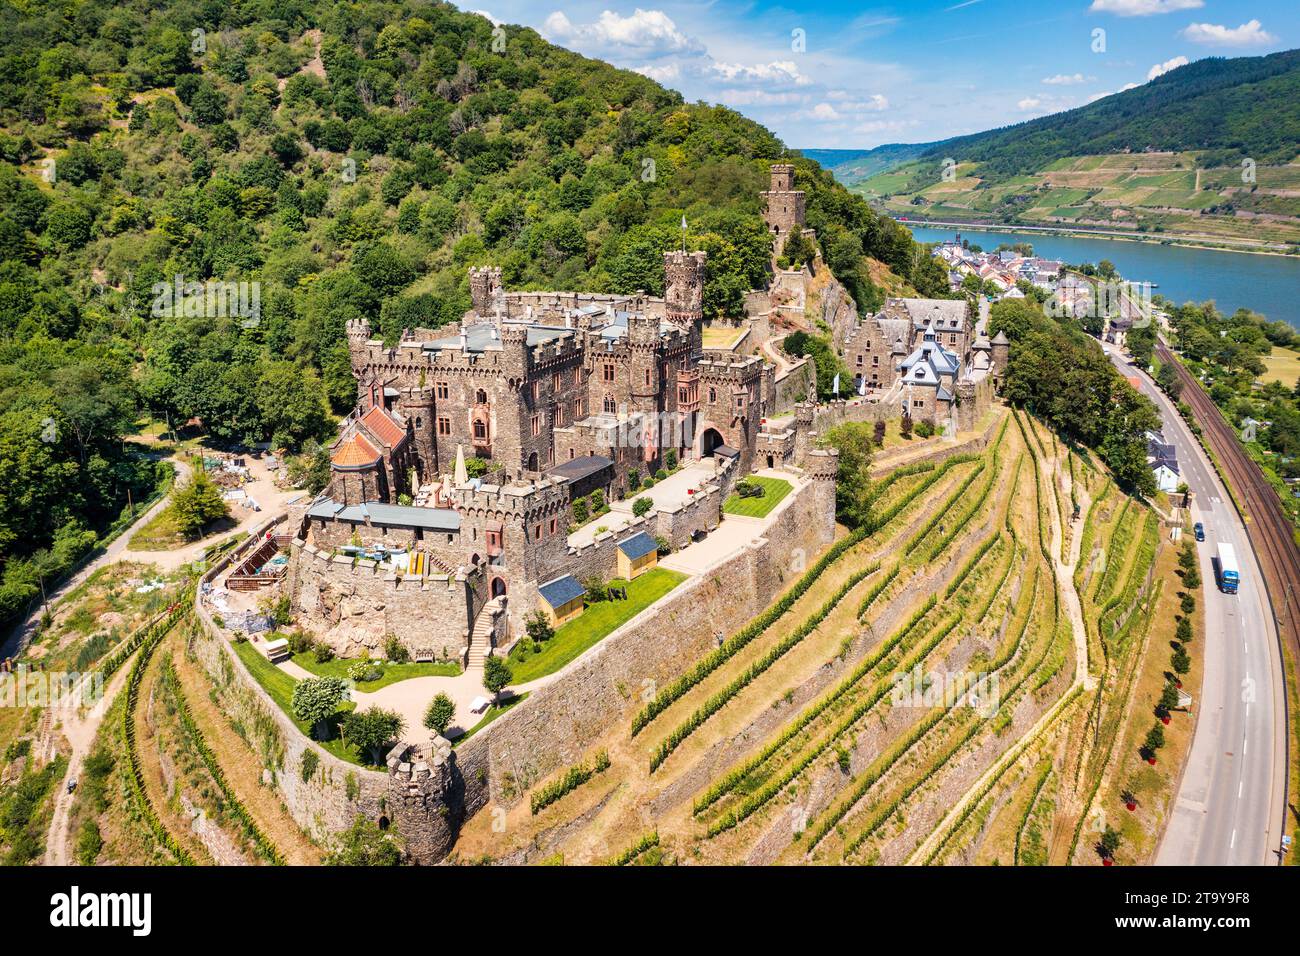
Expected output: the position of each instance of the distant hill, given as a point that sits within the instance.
(854, 165)
(1167, 156)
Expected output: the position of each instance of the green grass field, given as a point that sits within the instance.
(392, 672)
(596, 622)
(774, 489)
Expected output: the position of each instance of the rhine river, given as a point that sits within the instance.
(1269, 285)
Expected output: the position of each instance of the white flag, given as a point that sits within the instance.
(862, 387)
(835, 385)
(683, 222)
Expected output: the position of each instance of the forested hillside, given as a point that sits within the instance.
(1242, 107)
(351, 159)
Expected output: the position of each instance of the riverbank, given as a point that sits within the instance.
(1209, 244)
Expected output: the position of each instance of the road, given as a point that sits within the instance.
(1230, 803)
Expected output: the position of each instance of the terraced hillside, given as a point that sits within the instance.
(921, 689)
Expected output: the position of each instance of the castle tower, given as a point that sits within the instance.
(643, 345)
(1001, 349)
(420, 779)
(823, 467)
(484, 288)
(684, 289)
(783, 208)
(415, 404)
(804, 416)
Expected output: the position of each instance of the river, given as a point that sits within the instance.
(1269, 285)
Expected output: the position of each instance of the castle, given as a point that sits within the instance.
(448, 513)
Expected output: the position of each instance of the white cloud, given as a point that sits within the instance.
(1066, 79)
(487, 16)
(882, 126)
(660, 74)
(752, 97)
(1160, 69)
(1250, 33)
(1143, 8)
(778, 71)
(1029, 103)
(650, 33)
(824, 112)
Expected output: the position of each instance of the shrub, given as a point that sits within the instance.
(440, 713)
(925, 428)
(1184, 630)
(580, 510)
(1180, 661)
(595, 588)
(309, 764)
(395, 650)
(642, 506)
(905, 427)
(1188, 604)
(660, 475)
(633, 480)
(300, 642)
(878, 434)
(538, 627)
(573, 778)
(670, 459)
(597, 500)
(365, 670)
(324, 653)
(663, 545)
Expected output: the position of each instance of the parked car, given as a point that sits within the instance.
(1198, 529)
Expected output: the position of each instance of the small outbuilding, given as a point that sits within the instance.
(636, 555)
(562, 599)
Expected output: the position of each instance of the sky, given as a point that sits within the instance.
(856, 75)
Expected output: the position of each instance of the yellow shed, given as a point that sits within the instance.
(637, 554)
(562, 599)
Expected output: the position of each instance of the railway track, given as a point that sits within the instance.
(1268, 527)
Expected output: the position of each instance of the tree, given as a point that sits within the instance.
(372, 730)
(197, 504)
(1167, 378)
(364, 844)
(538, 627)
(1155, 739)
(440, 713)
(1169, 698)
(853, 481)
(1109, 843)
(496, 675)
(642, 506)
(316, 700)
(1181, 662)
(1184, 630)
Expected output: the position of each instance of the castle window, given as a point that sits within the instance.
(554, 525)
(481, 396)
(647, 376)
(713, 394)
(571, 455)
(555, 381)
(444, 426)
(577, 375)
(480, 428)
(537, 533)
(537, 425)
(875, 360)
(610, 407)
(443, 390)
(609, 372)
(577, 408)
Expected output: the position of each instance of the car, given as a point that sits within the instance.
(1198, 529)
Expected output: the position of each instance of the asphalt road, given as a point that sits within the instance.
(1229, 808)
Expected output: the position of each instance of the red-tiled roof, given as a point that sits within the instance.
(381, 424)
(355, 451)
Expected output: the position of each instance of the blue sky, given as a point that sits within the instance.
(855, 75)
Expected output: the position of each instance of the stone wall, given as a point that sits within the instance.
(336, 792)
(353, 604)
(560, 720)
(797, 384)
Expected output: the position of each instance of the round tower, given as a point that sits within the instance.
(420, 781)
(415, 404)
(484, 286)
(684, 287)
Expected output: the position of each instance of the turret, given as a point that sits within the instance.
(484, 288)
(684, 288)
(420, 779)
(783, 209)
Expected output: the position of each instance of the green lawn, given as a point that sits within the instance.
(492, 714)
(594, 623)
(280, 686)
(774, 489)
(392, 672)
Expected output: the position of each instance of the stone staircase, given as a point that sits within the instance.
(485, 625)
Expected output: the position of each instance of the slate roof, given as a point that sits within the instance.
(638, 546)
(560, 591)
(579, 468)
(380, 513)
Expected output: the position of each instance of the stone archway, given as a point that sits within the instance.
(710, 439)
(498, 587)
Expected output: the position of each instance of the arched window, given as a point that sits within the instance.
(609, 404)
(480, 397)
(480, 428)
